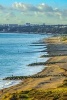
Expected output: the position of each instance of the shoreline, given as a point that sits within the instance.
(53, 75)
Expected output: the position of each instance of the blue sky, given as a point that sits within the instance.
(60, 3)
(33, 11)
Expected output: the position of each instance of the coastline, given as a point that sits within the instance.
(51, 77)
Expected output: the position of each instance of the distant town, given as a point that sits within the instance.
(33, 28)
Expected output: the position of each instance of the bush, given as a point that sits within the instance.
(14, 97)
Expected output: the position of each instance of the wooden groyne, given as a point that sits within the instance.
(45, 63)
(34, 76)
(53, 55)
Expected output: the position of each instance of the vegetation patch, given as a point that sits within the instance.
(50, 94)
(64, 38)
(64, 83)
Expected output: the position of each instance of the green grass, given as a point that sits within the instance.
(50, 94)
(64, 84)
(64, 38)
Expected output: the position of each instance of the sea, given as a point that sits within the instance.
(17, 51)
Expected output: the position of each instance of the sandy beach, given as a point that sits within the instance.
(51, 77)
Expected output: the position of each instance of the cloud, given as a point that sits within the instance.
(24, 7)
(2, 7)
(42, 8)
(45, 8)
(30, 10)
(29, 7)
(19, 10)
(10, 14)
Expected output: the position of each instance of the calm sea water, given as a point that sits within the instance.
(16, 52)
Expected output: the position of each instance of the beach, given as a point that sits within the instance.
(51, 77)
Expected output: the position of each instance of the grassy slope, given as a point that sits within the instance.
(59, 93)
(51, 94)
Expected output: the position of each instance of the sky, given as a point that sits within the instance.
(33, 11)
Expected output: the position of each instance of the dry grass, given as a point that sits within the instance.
(50, 94)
